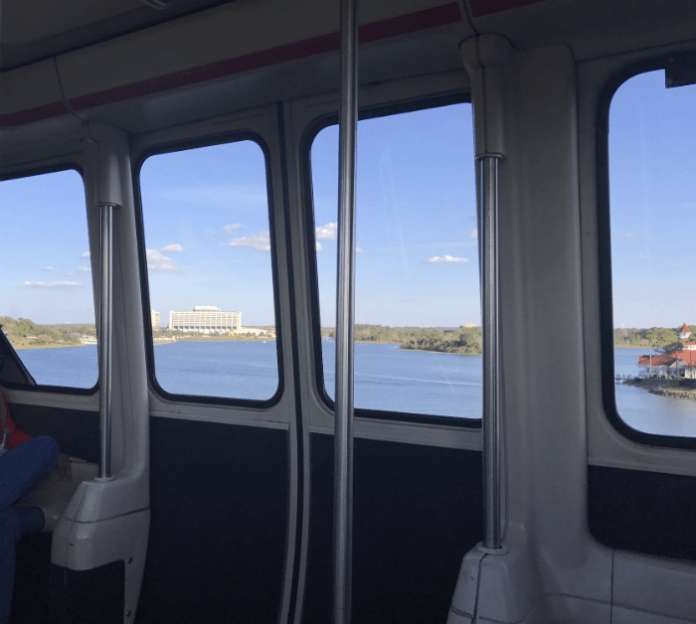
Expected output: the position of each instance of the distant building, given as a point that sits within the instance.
(467, 325)
(205, 320)
(155, 319)
(684, 336)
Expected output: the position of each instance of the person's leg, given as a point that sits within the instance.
(9, 533)
(24, 465)
(20, 469)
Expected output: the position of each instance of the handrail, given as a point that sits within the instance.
(105, 335)
(343, 435)
(492, 386)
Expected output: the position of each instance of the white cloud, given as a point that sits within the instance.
(49, 268)
(327, 232)
(52, 284)
(218, 194)
(473, 233)
(625, 234)
(83, 269)
(260, 241)
(229, 229)
(172, 247)
(159, 262)
(85, 255)
(444, 259)
(646, 257)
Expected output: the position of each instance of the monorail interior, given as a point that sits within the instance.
(221, 509)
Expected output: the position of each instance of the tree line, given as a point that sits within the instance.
(664, 339)
(23, 333)
(464, 341)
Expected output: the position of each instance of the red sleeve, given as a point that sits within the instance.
(17, 436)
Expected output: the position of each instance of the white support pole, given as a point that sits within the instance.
(106, 332)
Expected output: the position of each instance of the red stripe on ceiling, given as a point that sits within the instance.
(33, 114)
(421, 20)
(404, 24)
(220, 69)
(479, 8)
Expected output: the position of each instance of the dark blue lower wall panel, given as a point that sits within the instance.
(30, 599)
(645, 512)
(219, 498)
(88, 596)
(418, 510)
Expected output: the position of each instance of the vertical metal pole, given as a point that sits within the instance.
(105, 335)
(492, 405)
(343, 436)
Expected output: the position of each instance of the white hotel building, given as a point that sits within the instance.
(205, 320)
(155, 319)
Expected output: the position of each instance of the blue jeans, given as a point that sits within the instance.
(20, 469)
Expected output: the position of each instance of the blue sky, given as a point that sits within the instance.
(416, 260)
(45, 272)
(207, 231)
(652, 157)
(207, 227)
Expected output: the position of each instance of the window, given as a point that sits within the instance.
(47, 302)
(418, 335)
(652, 160)
(208, 246)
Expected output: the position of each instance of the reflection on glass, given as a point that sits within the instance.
(418, 337)
(652, 134)
(47, 304)
(208, 245)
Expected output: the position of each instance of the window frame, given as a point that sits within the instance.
(38, 387)
(310, 133)
(180, 146)
(605, 279)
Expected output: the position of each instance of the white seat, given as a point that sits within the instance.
(52, 494)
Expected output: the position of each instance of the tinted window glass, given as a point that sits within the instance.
(652, 159)
(208, 243)
(47, 302)
(418, 337)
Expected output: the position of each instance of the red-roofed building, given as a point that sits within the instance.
(676, 364)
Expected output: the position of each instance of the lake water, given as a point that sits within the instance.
(389, 379)
(386, 378)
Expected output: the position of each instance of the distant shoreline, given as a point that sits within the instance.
(671, 388)
(442, 352)
(214, 339)
(156, 344)
(399, 348)
(51, 346)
